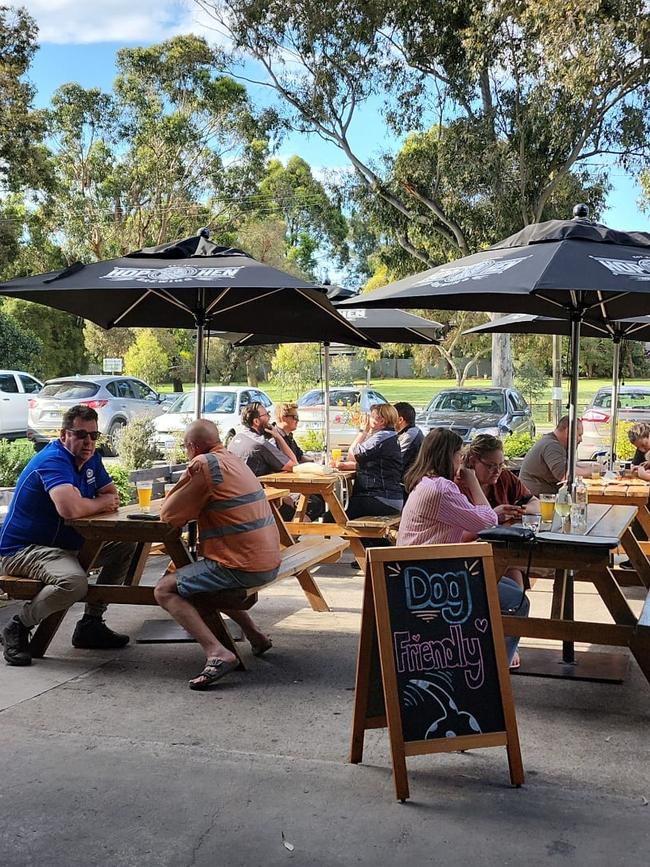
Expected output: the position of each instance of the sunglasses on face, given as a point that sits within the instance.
(81, 434)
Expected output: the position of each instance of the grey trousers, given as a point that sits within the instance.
(65, 579)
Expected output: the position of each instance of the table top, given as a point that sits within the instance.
(601, 491)
(294, 480)
(606, 526)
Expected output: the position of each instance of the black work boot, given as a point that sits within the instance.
(91, 633)
(15, 637)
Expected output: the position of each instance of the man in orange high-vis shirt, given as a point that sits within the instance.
(238, 541)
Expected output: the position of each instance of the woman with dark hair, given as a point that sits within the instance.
(436, 511)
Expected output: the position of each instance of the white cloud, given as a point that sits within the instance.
(70, 22)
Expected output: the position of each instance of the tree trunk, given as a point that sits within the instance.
(251, 373)
(177, 383)
(502, 371)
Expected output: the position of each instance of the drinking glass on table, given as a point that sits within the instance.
(546, 507)
(144, 495)
(337, 454)
(169, 487)
(563, 504)
(532, 522)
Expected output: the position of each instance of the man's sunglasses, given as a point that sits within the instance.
(81, 434)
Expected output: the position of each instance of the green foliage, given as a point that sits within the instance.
(295, 367)
(145, 358)
(19, 348)
(107, 343)
(14, 457)
(311, 442)
(517, 445)
(136, 445)
(625, 451)
(62, 350)
(120, 476)
(531, 379)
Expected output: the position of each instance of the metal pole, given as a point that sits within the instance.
(568, 649)
(326, 397)
(198, 369)
(557, 378)
(616, 382)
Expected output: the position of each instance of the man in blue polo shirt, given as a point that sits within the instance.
(65, 480)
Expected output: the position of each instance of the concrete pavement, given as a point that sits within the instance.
(109, 759)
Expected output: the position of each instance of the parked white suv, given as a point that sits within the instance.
(16, 387)
(116, 399)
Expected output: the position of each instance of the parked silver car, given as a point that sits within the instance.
(473, 411)
(116, 399)
(16, 386)
(633, 405)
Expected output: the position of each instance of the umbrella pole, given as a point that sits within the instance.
(568, 649)
(616, 382)
(326, 397)
(199, 368)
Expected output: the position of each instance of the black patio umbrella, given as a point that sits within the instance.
(382, 326)
(570, 269)
(637, 328)
(191, 283)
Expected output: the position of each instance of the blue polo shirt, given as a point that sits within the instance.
(32, 518)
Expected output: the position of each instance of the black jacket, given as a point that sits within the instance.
(379, 467)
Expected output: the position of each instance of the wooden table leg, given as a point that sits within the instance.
(336, 509)
(637, 557)
(616, 603)
(643, 517)
(559, 590)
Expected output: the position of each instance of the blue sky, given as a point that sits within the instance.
(79, 41)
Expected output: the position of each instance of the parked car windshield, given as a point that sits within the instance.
(468, 401)
(629, 400)
(213, 401)
(69, 390)
(337, 398)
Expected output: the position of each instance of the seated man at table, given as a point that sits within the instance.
(67, 479)
(409, 436)
(264, 449)
(238, 539)
(639, 436)
(545, 465)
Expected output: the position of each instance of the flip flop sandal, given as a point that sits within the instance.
(262, 647)
(214, 670)
(516, 662)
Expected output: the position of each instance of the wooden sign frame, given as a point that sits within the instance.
(376, 640)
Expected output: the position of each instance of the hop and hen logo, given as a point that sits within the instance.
(171, 274)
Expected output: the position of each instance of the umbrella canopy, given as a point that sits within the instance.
(189, 283)
(384, 326)
(549, 269)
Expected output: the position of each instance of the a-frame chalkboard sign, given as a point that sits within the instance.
(432, 663)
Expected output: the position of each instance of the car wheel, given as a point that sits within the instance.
(229, 437)
(109, 447)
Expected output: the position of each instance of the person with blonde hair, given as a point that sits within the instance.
(375, 455)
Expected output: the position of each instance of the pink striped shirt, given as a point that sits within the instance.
(436, 512)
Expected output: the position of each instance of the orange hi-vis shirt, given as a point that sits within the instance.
(236, 526)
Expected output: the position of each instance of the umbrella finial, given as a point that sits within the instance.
(581, 212)
(204, 232)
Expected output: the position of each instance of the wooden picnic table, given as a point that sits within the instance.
(306, 485)
(119, 527)
(589, 556)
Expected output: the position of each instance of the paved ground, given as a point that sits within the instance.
(109, 759)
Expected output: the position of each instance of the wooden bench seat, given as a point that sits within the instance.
(375, 523)
(296, 560)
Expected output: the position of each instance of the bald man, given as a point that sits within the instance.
(238, 540)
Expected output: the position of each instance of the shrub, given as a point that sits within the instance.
(517, 445)
(14, 457)
(120, 476)
(624, 448)
(311, 442)
(135, 444)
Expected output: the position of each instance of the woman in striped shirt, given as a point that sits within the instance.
(436, 512)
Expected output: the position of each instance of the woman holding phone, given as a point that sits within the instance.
(503, 490)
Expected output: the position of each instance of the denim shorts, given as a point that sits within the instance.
(208, 576)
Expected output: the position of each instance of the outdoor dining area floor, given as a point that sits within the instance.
(108, 758)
